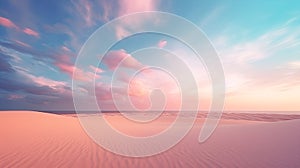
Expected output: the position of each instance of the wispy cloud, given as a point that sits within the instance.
(31, 32)
(84, 10)
(263, 46)
(22, 43)
(257, 68)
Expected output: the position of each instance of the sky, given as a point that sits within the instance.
(258, 43)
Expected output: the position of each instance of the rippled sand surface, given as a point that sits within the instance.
(34, 139)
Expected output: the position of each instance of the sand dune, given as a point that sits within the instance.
(33, 139)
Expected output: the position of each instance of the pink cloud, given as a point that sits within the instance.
(79, 73)
(57, 86)
(111, 10)
(133, 6)
(63, 63)
(7, 23)
(65, 68)
(162, 43)
(140, 87)
(31, 32)
(139, 91)
(116, 58)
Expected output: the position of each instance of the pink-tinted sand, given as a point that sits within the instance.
(34, 139)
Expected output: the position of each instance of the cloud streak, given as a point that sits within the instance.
(7, 23)
(31, 32)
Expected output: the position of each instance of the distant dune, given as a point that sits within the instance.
(35, 139)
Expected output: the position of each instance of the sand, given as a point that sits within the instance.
(35, 139)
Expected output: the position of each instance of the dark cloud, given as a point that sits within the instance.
(15, 82)
(36, 92)
(5, 66)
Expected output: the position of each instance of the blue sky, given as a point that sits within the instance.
(258, 43)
